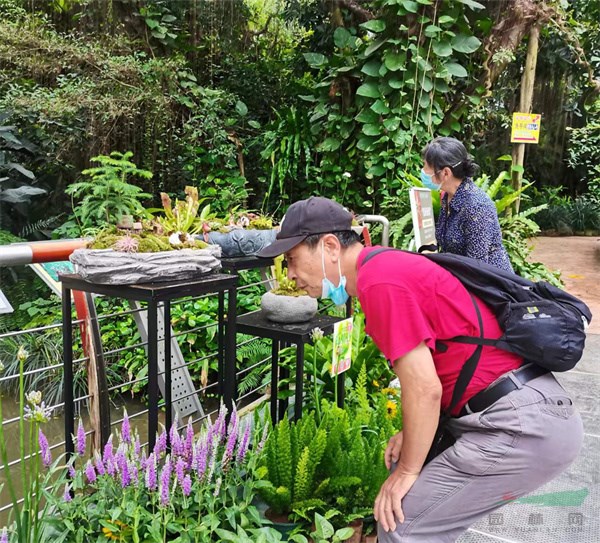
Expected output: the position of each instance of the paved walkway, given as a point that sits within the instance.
(566, 510)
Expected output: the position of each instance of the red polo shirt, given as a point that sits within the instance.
(408, 299)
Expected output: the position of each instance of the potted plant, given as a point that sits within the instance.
(244, 234)
(199, 490)
(287, 303)
(161, 249)
(334, 468)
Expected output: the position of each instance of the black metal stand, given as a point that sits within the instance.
(153, 294)
(233, 265)
(256, 324)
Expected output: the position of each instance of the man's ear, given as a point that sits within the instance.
(332, 245)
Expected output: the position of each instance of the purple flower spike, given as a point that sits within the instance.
(165, 482)
(126, 429)
(180, 470)
(173, 433)
(4, 536)
(99, 465)
(187, 485)
(134, 472)
(90, 472)
(80, 439)
(151, 473)
(161, 444)
(177, 445)
(108, 449)
(44, 449)
(71, 470)
(137, 447)
(201, 459)
(244, 443)
(67, 494)
(125, 475)
(189, 439)
(220, 424)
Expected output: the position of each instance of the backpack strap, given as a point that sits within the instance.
(470, 365)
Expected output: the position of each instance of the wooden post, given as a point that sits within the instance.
(525, 103)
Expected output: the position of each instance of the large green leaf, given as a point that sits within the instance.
(241, 108)
(431, 31)
(365, 143)
(374, 25)
(367, 115)
(374, 46)
(445, 19)
(465, 44)
(315, 60)
(395, 61)
(391, 125)
(330, 144)
(341, 37)
(380, 107)
(426, 84)
(456, 69)
(472, 4)
(371, 68)
(369, 90)
(442, 48)
(410, 5)
(395, 83)
(371, 129)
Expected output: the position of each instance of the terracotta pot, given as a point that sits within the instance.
(281, 523)
(357, 526)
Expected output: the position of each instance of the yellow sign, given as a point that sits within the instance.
(526, 128)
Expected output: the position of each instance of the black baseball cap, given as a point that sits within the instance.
(313, 216)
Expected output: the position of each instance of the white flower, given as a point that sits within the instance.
(34, 397)
(316, 334)
(22, 354)
(1, 366)
(347, 174)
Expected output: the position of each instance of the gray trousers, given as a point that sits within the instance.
(516, 445)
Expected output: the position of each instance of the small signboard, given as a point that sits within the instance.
(49, 271)
(526, 128)
(421, 207)
(342, 346)
(5, 306)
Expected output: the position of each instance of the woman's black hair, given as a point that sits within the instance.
(445, 152)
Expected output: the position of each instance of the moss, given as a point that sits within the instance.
(261, 223)
(290, 291)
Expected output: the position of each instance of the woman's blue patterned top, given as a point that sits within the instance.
(469, 226)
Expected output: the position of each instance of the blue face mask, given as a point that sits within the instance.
(427, 180)
(337, 295)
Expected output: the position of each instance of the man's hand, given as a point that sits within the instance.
(388, 505)
(393, 450)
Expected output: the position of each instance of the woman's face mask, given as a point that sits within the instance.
(337, 295)
(427, 180)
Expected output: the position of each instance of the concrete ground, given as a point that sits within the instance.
(566, 510)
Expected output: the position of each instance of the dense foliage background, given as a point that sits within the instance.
(266, 101)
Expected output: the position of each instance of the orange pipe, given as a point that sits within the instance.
(54, 251)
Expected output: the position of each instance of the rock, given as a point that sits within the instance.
(288, 309)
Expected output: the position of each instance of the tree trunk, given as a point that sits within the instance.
(527, 84)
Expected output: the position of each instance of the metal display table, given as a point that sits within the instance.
(153, 294)
(256, 324)
(233, 265)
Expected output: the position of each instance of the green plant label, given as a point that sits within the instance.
(342, 346)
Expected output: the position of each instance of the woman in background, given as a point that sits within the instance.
(468, 222)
